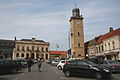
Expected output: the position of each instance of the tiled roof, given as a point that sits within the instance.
(59, 52)
(108, 35)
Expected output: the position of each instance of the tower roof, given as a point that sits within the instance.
(76, 14)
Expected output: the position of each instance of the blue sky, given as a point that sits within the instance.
(48, 20)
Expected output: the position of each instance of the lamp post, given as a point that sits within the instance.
(57, 46)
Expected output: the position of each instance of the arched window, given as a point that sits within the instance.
(22, 55)
(17, 55)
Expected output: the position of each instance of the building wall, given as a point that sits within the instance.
(112, 46)
(109, 48)
(32, 48)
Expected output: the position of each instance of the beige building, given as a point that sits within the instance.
(90, 47)
(108, 46)
(31, 48)
(77, 34)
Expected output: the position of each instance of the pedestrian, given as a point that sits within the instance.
(39, 63)
(29, 63)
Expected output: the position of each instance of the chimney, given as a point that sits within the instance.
(33, 39)
(15, 38)
(110, 29)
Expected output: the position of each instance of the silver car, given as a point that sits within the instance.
(112, 64)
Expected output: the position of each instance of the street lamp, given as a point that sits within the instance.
(86, 56)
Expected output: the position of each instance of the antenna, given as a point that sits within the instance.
(75, 1)
(75, 5)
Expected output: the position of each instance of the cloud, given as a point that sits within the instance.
(49, 19)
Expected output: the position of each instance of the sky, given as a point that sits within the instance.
(48, 20)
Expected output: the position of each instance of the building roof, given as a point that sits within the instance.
(108, 35)
(31, 40)
(59, 52)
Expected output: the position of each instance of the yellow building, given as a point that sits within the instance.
(31, 48)
(77, 34)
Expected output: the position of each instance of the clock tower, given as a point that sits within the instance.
(77, 34)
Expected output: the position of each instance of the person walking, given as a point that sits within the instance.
(29, 63)
(39, 65)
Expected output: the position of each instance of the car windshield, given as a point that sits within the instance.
(114, 62)
(91, 63)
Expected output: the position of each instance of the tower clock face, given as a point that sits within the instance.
(78, 22)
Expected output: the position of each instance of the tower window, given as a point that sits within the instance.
(78, 34)
(78, 44)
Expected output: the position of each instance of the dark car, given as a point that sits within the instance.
(22, 62)
(7, 66)
(114, 65)
(86, 68)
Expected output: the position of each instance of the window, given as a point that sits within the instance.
(109, 45)
(22, 55)
(23, 48)
(78, 44)
(17, 55)
(99, 49)
(62, 61)
(46, 49)
(78, 34)
(28, 48)
(37, 48)
(113, 45)
(33, 48)
(102, 48)
(105, 47)
(81, 63)
(42, 49)
(18, 48)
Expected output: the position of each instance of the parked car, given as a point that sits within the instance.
(54, 62)
(61, 64)
(86, 68)
(94, 60)
(114, 65)
(34, 61)
(17, 64)
(8, 66)
(49, 61)
(23, 62)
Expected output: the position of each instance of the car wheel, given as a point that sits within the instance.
(67, 73)
(59, 67)
(98, 76)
